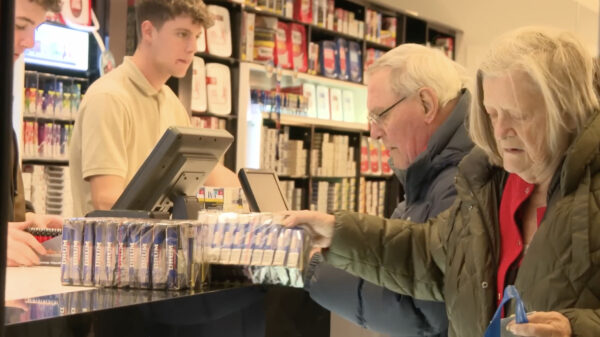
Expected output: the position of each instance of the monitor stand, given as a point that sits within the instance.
(186, 207)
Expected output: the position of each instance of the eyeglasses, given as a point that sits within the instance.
(378, 118)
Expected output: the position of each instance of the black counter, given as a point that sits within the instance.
(218, 311)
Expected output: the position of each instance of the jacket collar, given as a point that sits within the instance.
(447, 146)
(583, 153)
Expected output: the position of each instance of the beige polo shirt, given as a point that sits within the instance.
(120, 120)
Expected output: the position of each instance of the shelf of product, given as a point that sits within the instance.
(381, 29)
(269, 71)
(294, 195)
(371, 197)
(374, 158)
(305, 95)
(329, 196)
(208, 122)
(293, 99)
(300, 65)
(45, 140)
(48, 188)
(285, 156)
(51, 96)
(332, 155)
(276, 43)
(292, 120)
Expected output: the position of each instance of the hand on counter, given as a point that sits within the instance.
(23, 248)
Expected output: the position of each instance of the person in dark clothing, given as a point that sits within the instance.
(23, 248)
(425, 132)
(527, 210)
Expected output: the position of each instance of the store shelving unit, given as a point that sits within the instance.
(246, 122)
(56, 75)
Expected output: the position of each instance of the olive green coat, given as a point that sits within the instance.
(454, 257)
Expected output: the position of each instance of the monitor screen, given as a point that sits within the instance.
(178, 166)
(59, 47)
(262, 190)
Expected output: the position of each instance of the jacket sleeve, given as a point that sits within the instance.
(374, 307)
(404, 257)
(584, 322)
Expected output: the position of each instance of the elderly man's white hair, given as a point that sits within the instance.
(414, 66)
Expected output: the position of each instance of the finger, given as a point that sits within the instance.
(292, 220)
(533, 330)
(29, 240)
(21, 254)
(543, 316)
(54, 221)
(16, 304)
(20, 225)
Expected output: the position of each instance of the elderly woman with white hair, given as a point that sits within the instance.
(528, 206)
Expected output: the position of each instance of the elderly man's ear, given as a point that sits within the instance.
(430, 103)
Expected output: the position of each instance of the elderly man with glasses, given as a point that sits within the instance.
(417, 105)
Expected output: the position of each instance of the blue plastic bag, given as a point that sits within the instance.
(510, 292)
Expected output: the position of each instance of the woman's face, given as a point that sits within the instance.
(518, 114)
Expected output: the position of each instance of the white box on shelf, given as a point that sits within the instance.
(348, 107)
(310, 93)
(218, 37)
(323, 109)
(247, 46)
(198, 85)
(218, 88)
(335, 96)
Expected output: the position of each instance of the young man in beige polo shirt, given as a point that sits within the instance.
(125, 112)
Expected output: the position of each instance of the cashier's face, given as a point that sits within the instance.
(174, 44)
(28, 15)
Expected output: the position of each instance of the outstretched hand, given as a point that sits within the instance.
(318, 225)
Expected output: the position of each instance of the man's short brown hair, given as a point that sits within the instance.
(49, 5)
(160, 11)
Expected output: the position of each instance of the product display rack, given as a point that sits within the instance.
(50, 102)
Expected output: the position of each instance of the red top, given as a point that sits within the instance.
(515, 193)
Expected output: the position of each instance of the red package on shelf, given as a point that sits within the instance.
(297, 47)
(303, 11)
(385, 157)
(283, 55)
(365, 166)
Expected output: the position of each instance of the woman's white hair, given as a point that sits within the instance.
(414, 66)
(558, 66)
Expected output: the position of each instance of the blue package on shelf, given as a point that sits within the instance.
(342, 46)
(329, 59)
(354, 61)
